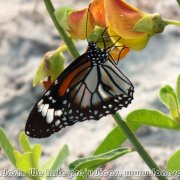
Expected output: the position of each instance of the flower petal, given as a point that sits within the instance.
(119, 53)
(122, 17)
(98, 12)
(79, 24)
(135, 44)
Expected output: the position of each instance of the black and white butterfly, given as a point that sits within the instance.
(89, 88)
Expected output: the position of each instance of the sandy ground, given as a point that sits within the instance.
(26, 33)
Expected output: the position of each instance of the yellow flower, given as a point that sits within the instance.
(133, 26)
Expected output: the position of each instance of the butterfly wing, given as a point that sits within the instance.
(47, 115)
(103, 90)
(82, 92)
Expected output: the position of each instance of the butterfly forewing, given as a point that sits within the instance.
(48, 115)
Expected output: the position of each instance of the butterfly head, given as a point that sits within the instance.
(96, 55)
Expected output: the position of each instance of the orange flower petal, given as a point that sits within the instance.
(98, 12)
(119, 53)
(78, 23)
(122, 17)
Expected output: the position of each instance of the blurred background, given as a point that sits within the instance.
(27, 33)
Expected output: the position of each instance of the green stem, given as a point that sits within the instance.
(68, 41)
(139, 148)
(171, 22)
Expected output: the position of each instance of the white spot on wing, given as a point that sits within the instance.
(48, 93)
(45, 109)
(110, 105)
(40, 102)
(57, 122)
(58, 113)
(40, 107)
(65, 101)
(50, 115)
(53, 101)
(64, 118)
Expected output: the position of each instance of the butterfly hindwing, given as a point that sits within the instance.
(103, 90)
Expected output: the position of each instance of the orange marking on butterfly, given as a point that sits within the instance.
(66, 82)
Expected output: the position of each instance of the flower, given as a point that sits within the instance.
(133, 26)
(79, 24)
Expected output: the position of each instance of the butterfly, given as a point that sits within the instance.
(89, 88)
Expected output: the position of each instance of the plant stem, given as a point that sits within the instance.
(67, 39)
(171, 22)
(139, 148)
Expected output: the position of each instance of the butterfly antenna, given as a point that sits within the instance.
(87, 22)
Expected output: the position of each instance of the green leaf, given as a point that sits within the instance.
(173, 164)
(36, 154)
(178, 1)
(114, 139)
(17, 154)
(98, 160)
(173, 106)
(60, 158)
(24, 162)
(164, 92)
(61, 15)
(178, 87)
(7, 147)
(152, 118)
(53, 164)
(24, 142)
(47, 164)
(51, 66)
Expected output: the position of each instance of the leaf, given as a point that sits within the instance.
(61, 16)
(152, 118)
(7, 147)
(60, 158)
(51, 66)
(178, 87)
(24, 162)
(173, 106)
(164, 92)
(52, 164)
(98, 160)
(178, 1)
(47, 164)
(17, 154)
(36, 154)
(114, 139)
(173, 164)
(24, 143)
